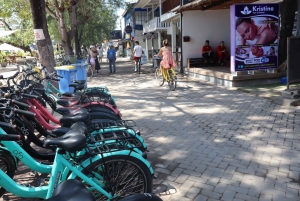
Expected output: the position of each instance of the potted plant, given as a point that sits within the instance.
(3, 61)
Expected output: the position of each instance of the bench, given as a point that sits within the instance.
(195, 62)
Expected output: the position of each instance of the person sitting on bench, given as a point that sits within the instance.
(222, 53)
(207, 53)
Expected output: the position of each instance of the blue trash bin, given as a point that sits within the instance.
(69, 74)
(81, 71)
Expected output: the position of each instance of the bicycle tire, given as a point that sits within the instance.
(142, 182)
(89, 72)
(172, 80)
(159, 77)
(139, 66)
(7, 165)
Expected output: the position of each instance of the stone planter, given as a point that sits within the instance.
(3, 64)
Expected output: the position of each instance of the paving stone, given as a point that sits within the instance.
(245, 197)
(181, 179)
(187, 185)
(211, 194)
(193, 192)
(228, 195)
(201, 198)
(266, 197)
(203, 186)
(238, 189)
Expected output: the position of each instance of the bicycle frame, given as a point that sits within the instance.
(49, 91)
(59, 171)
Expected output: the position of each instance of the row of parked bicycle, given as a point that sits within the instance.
(90, 143)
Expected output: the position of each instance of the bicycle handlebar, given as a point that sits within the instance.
(30, 96)
(24, 105)
(10, 137)
(7, 125)
(25, 113)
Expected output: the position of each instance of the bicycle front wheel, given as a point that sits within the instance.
(121, 175)
(89, 72)
(159, 77)
(7, 165)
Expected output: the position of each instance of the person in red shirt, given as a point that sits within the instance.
(207, 54)
(222, 53)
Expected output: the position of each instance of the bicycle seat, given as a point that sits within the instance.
(78, 126)
(144, 197)
(68, 120)
(71, 190)
(71, 94)
(79, 81)
(73, 110)
(67, 102)
(77, 86)
(72, 141)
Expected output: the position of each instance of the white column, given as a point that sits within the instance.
(147, 16)
(159, 39)
(160, 6)
(147, 53)
(173, 35)
(153, 11)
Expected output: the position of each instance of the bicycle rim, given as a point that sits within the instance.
(123, 176)
(159, 77)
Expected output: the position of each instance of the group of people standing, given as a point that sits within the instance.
(95, 57)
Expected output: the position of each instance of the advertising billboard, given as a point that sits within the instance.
(254, 36)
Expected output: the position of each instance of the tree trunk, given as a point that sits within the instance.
(77, 44)
(45, 48)
(287, 11)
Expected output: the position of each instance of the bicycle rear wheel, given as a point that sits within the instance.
(139, 66)
(173, 80)
(89, 72)
(159, 77)
(121, 176)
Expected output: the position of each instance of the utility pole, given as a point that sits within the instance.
(181, 38)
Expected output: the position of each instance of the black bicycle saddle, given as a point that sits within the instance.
(72, 141)
(78, 126)
(71, 190)
(69, 120)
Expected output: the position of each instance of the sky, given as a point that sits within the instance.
(120, 12)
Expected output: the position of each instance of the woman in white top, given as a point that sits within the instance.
(100, 54)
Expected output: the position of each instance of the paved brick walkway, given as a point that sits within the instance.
(210, 143)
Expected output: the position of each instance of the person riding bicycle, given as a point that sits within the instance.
(166, 53)
(137, 52)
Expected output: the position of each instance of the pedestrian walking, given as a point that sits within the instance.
(111, 56)
(137, 52)
(100, 53)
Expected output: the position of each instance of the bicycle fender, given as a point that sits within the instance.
(88, 161)
(4, 149)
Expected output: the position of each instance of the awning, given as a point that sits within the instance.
(217, 4)
(6, 33)
(6, 46)
(146, 3)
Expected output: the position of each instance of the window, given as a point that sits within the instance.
(140, 17)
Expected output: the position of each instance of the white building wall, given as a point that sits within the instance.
(200, 26)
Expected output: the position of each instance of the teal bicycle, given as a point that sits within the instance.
(114, 171)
